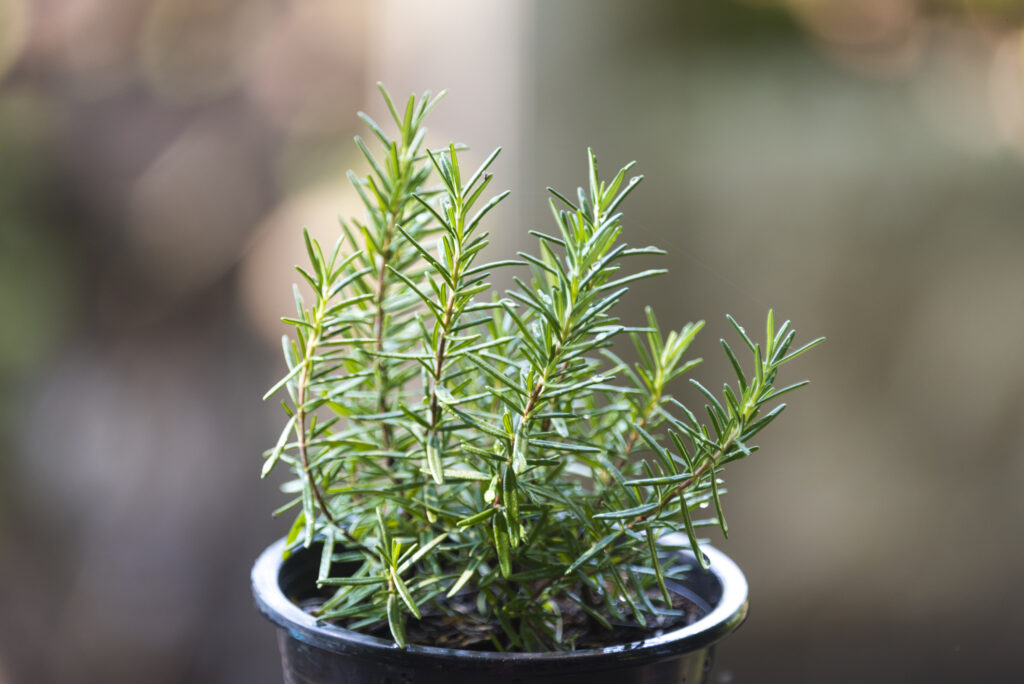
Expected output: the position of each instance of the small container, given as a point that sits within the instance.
(313, 652)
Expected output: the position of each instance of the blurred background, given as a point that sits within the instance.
(858, 166)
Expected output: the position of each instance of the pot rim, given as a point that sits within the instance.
(728, 613)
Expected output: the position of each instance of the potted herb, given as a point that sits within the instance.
(482, 488)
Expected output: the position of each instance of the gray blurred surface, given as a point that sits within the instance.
(859, 170)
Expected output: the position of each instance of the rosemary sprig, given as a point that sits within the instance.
(453, 447)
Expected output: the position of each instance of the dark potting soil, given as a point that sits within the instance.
(468, 630)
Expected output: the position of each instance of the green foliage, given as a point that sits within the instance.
(453, 448)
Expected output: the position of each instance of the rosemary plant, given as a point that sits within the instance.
(486, 460)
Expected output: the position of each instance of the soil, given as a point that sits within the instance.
(469, 631)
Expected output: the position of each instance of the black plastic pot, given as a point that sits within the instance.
(318, 653)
